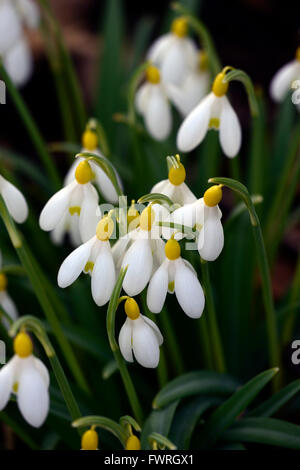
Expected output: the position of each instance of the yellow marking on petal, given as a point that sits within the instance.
(213, 195)
(220, 88)
(23, 346)
(171, 286)
(3, 282)
(133, 443)
(172, 249)
(90, 140)
(147, 218)
(132, 309)
(214, 123)
(16, 387)
(177, 175)
(180, 27)
(89, 266)
(83, 173)
(75, 210)
(89, 440)
(298, 54)
(153, 75)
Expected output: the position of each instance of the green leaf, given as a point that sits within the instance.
(273, 404)
(164, 442)
(104, 423)
(195, 383)
(159, 421)
(225, 415)
(156, 198)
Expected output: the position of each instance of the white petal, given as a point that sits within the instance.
(155, 328)
(74, 230)
(105, 185)
(56, 207)
(179, 98)
(74, 264)
(18, 62)
(89, 216)
(119, 249)
(42, 369)
(230, 129)
(14, 200)
(9, 306)
(159, 48)
(103, 276)
(145, 344)
(139, 261)
(281, 82)
(183, 195)
(142, 97)
(70, 176)
(160, 187)
(211, 238)
(30, 13)
(32, 396)
(125, 340)
(57, 235)
(6, 384)
(188, 291)
(158, 118)
(10, 26)
(173, 67)
(191, 52)
(157, 289)
(193, 129)
(195, 87)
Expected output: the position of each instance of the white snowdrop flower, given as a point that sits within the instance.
(143, 249)
(14, 200)
(94, 256)
(213, 112)
(174, 187)
(176, 275)
(139, 335)
(28, 378)
(194, 87)
(6, 301)
(174, 53)
(152, 103)
(69, 224)
(283, 79)
(79, 198)
(106, 188)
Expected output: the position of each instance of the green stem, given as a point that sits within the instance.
(104, 423)
(171, 341)
(291, 317)
(32, 129)
(205, 343)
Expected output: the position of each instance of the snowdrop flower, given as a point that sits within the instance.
(174, 53)
(69, 224)
(194, 87)
(90, 440)
(174, 187)
(94, 256)
(79, 199)
(28, 378)
(145, 251)
(14, 48)
(283, 80)
(152, 103)
(14, 200)
(141, 336)
(176, 275)
(5, 300)
(90, 144)
(213, 112)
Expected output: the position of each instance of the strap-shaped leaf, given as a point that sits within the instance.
(273, 404)
(159, 421)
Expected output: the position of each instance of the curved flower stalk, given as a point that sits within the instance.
(5, 300)
(139, 335)
(94, 256)
(284, 78)
(14, 48)
(27, 377)
(174, 53)
(14, 201)
(176, 275)
(174, 187)
(213, 112)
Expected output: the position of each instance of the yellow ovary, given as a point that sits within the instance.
(213, 195)
(89, 440)
(3, 282)
(133, 443)
(89, 140)
(132, 309)
(172, 249)
(153, 75)
(177, 175)
(84, 173)
(23, 346)
(220, 88)
(180, 27)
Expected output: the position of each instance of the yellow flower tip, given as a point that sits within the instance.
(180, 27)
(133, 443)
(298, 54)
(213, 195)
(172, 249)
(203, 61)
(3, 282)
(132, 309)
(153, 75)
(89, 440)
(23, 346)
(83, 173)
(105, 228)
(147, 218)
(89, 140)
(220, 88)
(177, 175)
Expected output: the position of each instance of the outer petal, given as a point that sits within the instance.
(14, 200)
(30, 12)
(174, 67)
(230, 129)
(18, 62)
(179, 98)
(281, 82)
(211, 238)
(88, 218)
(183, 195)
(9, 306)
(144, 343)
(160, 187)
(74, 264)
(139, 261)
(142, 97)
(125, 340)
(33, 396)
(10, 26)
(6, 383)
(195, 87)
(160, 47)
(105, 185)
(157, 289)
(42, 369)
(158, 118)
(103, 276)
(155, 328)
(56, 207)
(119, 249)
(188, 290)
(193, 129)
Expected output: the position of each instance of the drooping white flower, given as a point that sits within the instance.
(174, 187)
(79, 199)
(94, 256)
(284, 78)
(152, 103)
(6, 301)
(69, 224)
(193, 88)
(174, 53)
(176, 275)
(143, 248)
(139, 335)
(213, 112)
(14, 200)
(27, 377)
